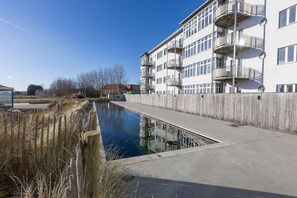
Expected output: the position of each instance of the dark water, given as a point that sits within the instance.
(134, 134)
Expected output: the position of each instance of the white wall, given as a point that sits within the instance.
(276, 38)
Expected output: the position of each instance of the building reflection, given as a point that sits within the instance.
(157, 136)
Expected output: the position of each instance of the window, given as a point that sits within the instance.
(292, 16)
(203, 19)
(287, 16)
(290, 53)
(159, 68)
(289, 88)
(282, 18)
(159, 80)
(165, 51)
(159, 54)
(164, 65)
(281, 55)
(287, 54)
(280, 88)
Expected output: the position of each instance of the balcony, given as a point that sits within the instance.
(174, 64)
(225, 44)
(224, 15)
(173, 82)
(147, 87)
(175, 47)
(147, 74)
(242, 73)
(147, 63)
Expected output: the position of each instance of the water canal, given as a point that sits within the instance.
(134, 134)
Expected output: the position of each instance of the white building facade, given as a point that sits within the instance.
(214, 53)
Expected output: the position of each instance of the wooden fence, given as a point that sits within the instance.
(274, 111)
(25, 138)
(83, 171)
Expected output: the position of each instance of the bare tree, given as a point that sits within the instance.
(63, 87)
(119, 74)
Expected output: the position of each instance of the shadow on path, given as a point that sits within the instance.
(144, 187)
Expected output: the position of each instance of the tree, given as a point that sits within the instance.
(120, 76)
(63, 87)
(31, 90)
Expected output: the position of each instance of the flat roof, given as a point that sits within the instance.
(202, 6)
(174, 34)
(4, 88)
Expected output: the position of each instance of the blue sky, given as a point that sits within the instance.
(41, 40)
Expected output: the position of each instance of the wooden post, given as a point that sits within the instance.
(71, 191)
(23, 139)
(94, 120)
(18, 140)
(54, 130)
(47, 134)
(35, 139)
(65, 132)
(11, 133)
(41, 136)
(80, 177)
(91, 158)
(5, 134)
(30, 134)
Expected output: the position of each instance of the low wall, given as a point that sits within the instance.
(274, 111)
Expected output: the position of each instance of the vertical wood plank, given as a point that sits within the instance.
(42, 135)
(36, 133)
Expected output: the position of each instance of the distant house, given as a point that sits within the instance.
(121, 89)
(6, 97)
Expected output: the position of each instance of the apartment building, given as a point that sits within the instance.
(214, 53)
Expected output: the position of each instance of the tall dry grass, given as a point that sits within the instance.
(45, 174)
(36, 173)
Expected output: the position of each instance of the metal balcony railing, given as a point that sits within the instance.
(243, 73)
(147, 87)
(147, 63)
(224, 15)
(173, 82)
(224, 45)
(147, 74)
(174, 64)
(175, 46)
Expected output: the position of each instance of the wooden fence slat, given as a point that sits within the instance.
(54, 130)
(23, 139)
(5, 133)
(47, 134)
(36, 133)
(42, 136)
(11, 134)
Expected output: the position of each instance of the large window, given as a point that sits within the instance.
(287, 16)
(159, 68)
(159, 80)
(287, 54)
(286, 88)
(160, 54)
(199, 46)
(280, 88)
(202, 20)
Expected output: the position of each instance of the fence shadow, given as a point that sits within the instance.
(145, 187)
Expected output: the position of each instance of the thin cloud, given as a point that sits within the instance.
(10, 77)
(20, 28)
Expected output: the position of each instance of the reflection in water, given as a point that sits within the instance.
(133, 134)
(158, 136)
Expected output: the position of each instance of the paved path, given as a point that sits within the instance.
(249, 159)
(27, 106)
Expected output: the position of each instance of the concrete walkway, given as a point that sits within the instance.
(249, 159)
